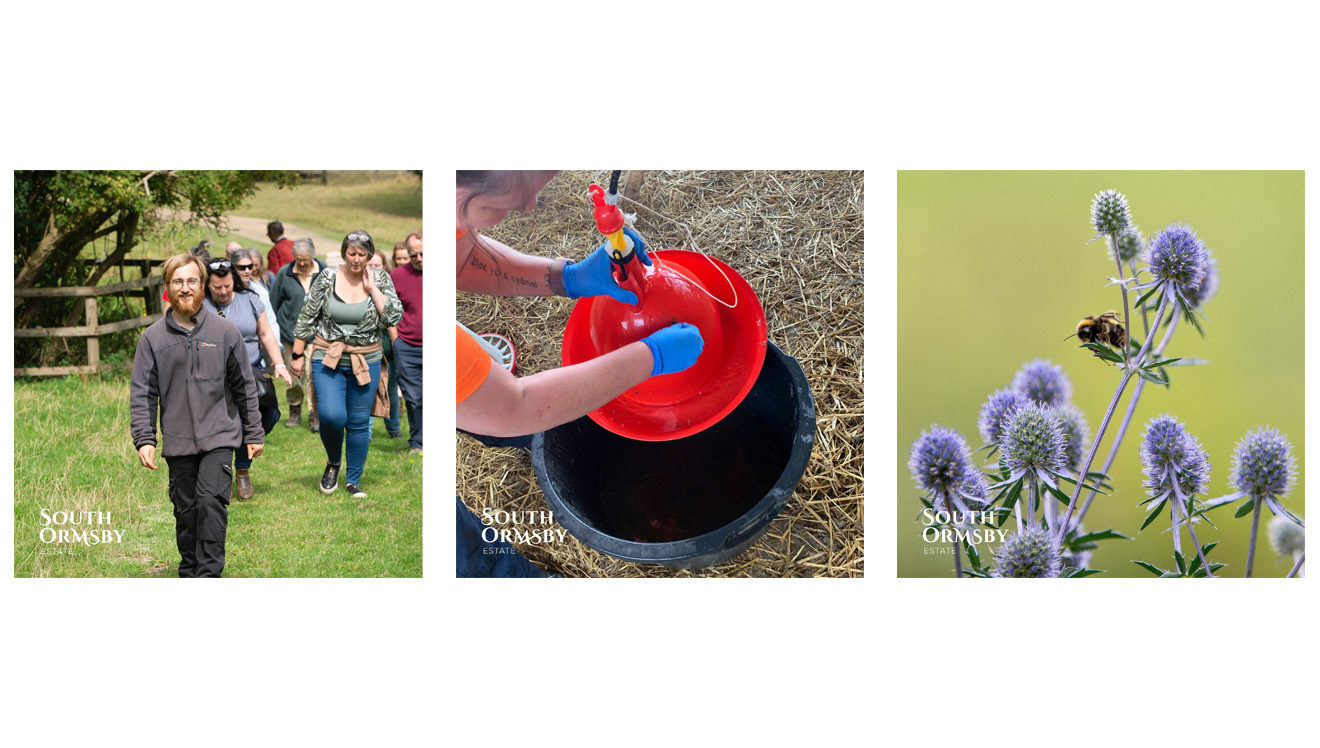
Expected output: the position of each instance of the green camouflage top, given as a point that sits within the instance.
(315, 316)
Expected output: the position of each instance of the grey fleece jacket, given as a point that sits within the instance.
(202, 382)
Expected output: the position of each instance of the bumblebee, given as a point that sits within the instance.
(1106, 328)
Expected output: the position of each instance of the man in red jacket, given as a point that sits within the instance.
(408, 346)
(282, 253)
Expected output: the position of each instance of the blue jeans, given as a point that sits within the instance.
(269, 417)
(345, 411)
(392, 389)
(484, 557)
(409, 359)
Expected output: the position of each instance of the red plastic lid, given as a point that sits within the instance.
(672, 406)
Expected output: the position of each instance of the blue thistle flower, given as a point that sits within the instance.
(1076, 433)
(1109, 212)
(1169, 451)
(1177, 257)
(1263, 463)
(939, 461)
(1030, 553)
(1127, 244)
(1044, 382)
(993, 412)
(1209, 285)
(1032, 439)
(975, 487)
(1287, 537)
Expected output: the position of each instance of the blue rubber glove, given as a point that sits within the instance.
(594, 277)
(674, 348)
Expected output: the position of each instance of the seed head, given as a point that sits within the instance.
(1209, 284)
(1127, 244)
(1030, 553)
(1076, 433)
(939, 461)
(1043, 382)
(1032, 438)
(996, 408)
(1168, 447)
(1109, 212)
(1263, 463)
(1287, 537)
(1177, 256)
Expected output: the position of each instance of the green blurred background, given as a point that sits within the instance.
(995, 269)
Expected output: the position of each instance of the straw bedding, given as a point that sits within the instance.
(797, 239)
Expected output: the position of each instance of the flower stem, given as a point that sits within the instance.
(1122, 285)
(1192, 531)
(1255, 526)
(957, 560)
(1109, 414)
(1127, 417)
(1174, 506)
(1031, 500)
(1301, 559)
(1145, 317)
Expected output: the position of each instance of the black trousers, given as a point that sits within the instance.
(199, 489)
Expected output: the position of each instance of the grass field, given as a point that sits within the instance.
(995, 270)
(387, 208)
(73, 453)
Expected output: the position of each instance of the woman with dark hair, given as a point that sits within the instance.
(346, 310)
(228, 296)
(494, 403)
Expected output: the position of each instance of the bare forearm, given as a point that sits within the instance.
(496, 269)
(550, 398)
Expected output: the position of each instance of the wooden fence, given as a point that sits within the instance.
(149, 288)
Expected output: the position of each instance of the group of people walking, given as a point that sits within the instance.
(345, 339)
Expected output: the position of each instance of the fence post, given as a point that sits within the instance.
(93, 341)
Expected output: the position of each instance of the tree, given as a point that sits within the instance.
(58, 213)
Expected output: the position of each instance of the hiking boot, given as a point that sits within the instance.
(356, 491)
(395, 434)
(330, 478)
(295, 415)
(415, 451)
(313, 422)
(243, 483)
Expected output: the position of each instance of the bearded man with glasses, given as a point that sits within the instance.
(191, 366)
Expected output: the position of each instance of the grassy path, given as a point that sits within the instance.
(73, 454)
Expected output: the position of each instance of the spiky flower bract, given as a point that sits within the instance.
(939, 461)
(1030, 553)
(1287, 537)
(1178, 257)
(1109, 212)
(1169, 451)
(1263, 463)
(1126, 245)
(1209, 285)
(1032, 438)
(993, 412)
(1076, 433)
(975, 487)
(1044, 382)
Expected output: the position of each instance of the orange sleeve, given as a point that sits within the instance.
(473, 364)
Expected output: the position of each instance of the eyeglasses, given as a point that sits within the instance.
(248, 266)
(218, 264)
(178, 283)
(417, 254)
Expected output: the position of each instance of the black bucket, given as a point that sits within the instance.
(689, 503)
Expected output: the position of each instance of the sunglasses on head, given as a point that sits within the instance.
(219, 264)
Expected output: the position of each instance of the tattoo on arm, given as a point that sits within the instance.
(502, 275)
